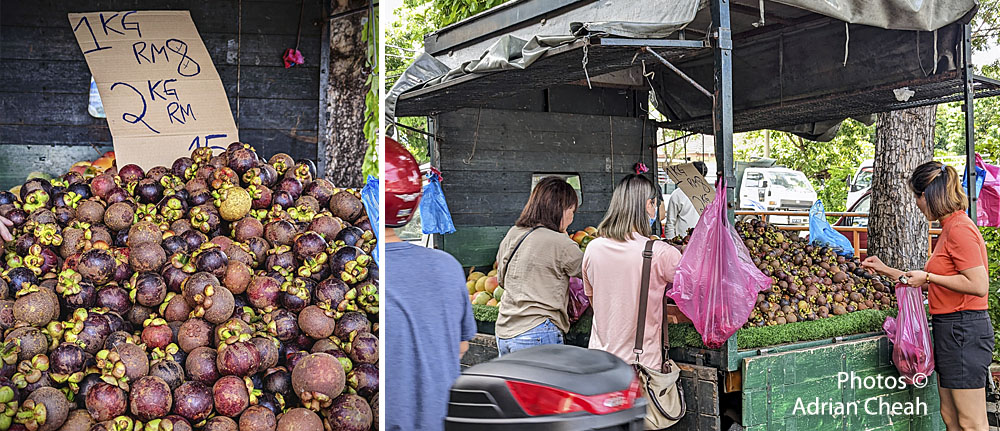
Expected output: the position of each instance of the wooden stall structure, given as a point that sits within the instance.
(45, 82)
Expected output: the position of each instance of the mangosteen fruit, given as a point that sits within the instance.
(105, 402)
(235, 203)
(246, 228)
(150, 398)
(309, 245)
(48, 418)
(148, 191)
(194, 333)
(193, 401)
(327, 226)
(282, 324)
(315, 323)
(280, 232)
(200, 365)
(349, 412)
(240, 359)
(119, 216)
(264, 292)
(36, 306)
(279, 381)
(221, 423)
(212, 260)
(299, 419)
(143, 232)
(258, 418)
(169, 371)
(350, 324)
(149, 289)
(97, 266)
(90, 211)
(268, 348)
(318, 378)
(78, 420)
(238, 276)
(231, 396)
(350, 263)
(114, 298)
(346, 206)
(364, 348)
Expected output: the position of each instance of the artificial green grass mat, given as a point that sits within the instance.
(858, 322)
(488, 313)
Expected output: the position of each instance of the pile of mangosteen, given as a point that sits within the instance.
(224, 292)
(809, 282)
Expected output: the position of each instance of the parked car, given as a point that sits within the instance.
(861, 182)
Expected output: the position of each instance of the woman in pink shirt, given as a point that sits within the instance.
(612, 272)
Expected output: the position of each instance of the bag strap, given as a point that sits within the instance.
(640, 325)
(506, 260)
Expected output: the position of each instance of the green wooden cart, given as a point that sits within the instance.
(834, 373)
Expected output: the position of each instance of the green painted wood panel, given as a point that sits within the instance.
(474, 246)
(775, 385)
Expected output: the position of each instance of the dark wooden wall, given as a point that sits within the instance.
(45, 82)
(487, 158)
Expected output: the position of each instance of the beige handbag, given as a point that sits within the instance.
(666, 399)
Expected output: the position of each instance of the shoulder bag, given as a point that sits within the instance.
(666, 400)
(506, 260)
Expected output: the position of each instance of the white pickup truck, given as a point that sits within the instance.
(776, 189)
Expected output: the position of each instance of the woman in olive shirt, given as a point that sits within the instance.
(534, 264)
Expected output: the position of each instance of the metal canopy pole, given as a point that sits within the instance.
(722, 111)
(970, 125)
(722, 128)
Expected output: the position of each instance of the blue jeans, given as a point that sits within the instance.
(545, 333)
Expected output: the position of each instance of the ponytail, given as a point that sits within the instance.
(941, 187)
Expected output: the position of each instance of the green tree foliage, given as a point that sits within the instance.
(950, 128)
(405, 40)
(372, 110)
(827, 164)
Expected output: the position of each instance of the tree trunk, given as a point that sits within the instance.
(345, 139)
(897, 230)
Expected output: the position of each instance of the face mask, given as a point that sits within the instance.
(652, 221)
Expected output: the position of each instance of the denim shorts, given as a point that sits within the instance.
(545, 333)
(963, 349)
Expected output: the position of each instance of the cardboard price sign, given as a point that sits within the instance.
(161, 92)
(691, 182)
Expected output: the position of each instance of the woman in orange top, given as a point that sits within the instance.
(957, 283)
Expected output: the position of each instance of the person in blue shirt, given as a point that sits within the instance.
(428, 314)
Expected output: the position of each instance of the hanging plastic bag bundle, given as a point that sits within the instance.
(369, 196)
(434, 214)
(912, 351)
(578, 302)
(821, 233)
(716, 284)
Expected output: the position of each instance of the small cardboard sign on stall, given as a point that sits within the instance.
(690, 181)
(161, 92)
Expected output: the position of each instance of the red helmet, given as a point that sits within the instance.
(403, 184)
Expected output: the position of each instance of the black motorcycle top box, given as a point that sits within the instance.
(550, 387)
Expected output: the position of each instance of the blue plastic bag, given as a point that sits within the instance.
(369, 196)
(821, 233)
(434, 214)
(980, 180)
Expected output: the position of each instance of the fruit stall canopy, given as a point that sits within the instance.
(798, 65)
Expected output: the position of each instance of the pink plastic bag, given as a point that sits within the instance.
(912, 351)
(716, 284)
(988, 205)
(578, 301)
